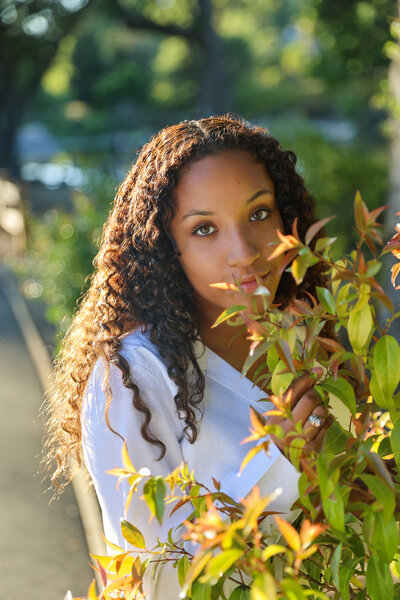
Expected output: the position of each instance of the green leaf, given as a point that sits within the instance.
(360, 327)
(323, 243)
(325, 482)
(383, 401)
(335, 563)
(132, 534)
(299, 267)
(360, 212)
(201, 591)
(280, 381)
(183, 569)
(154, 493)
(379, 581)
(296, 451)
(272, 358)
(326, 299)
(395, 442)
(304, 493)
(263, 587)
(373, 267)
(240, 593)
(385, 538)
(387, 364)
(221, 563)
(395, 566)
(272, 550)
(258, 352)
(382, 492)
(342, 389)
(334, 511)
(229, 312)
(342, 298)
(363, 297)
(336, 438)
(345, 574)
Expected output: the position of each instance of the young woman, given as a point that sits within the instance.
(141, 364)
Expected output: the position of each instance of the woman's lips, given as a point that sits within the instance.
(250, 284)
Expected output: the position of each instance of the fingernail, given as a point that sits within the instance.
(319, 371)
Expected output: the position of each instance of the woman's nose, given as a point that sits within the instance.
(242, 249)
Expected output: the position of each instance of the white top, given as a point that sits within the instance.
(217, 452)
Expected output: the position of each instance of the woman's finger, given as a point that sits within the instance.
(316, 443)
(299, 387)
(305, 405)
(315, 422)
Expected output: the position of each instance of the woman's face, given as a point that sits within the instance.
(225, 220)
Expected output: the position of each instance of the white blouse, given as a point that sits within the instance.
(217, 451)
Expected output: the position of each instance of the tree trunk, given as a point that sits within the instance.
(11, 111)
(213, 83)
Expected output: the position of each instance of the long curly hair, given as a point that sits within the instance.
(138, 280)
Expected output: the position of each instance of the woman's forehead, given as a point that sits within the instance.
(230, 171)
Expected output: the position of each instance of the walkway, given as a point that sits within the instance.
(42, 547)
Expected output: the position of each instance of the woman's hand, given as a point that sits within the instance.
(308, 410)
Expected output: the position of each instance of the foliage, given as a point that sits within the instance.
(61, 250)
(333, 171)
(346, 544)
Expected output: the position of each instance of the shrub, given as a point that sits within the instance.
(346, 544)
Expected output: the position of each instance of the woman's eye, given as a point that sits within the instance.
(204, 230)
(260, 214)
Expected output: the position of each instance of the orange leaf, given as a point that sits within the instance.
(315, 228)
(92, 591)
(126, 460)
(103, 573)
(225, 286)
(179, 504)
(257, 421)
(329, 344)
(295, 231)
(310, 531)
(362, 267)
(118, 584)
(217, 484)
(289, 533)
(251, 454)
(306, 553)
(395, 272)
(112, 546)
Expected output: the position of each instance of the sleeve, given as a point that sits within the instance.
(102, 450)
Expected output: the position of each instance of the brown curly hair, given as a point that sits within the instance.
(138, 280)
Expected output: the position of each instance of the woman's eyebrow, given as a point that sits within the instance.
(207, 213)
(193, 213)
(257, 194)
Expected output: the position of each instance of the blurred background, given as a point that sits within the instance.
(84, 83)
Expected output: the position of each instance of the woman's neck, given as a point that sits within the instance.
(230, 343)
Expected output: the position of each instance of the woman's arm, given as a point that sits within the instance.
(102, 450)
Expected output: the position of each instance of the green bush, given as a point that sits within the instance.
(346, 545)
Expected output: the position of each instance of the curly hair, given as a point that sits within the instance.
(138, 280)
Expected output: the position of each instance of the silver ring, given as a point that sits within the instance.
(316, 420)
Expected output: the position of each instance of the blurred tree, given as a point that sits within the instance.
(30, 34)
(193, 21)
(393, 101)
(349, 58)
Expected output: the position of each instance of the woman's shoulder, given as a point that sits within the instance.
(136, 346)
(146, 369)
